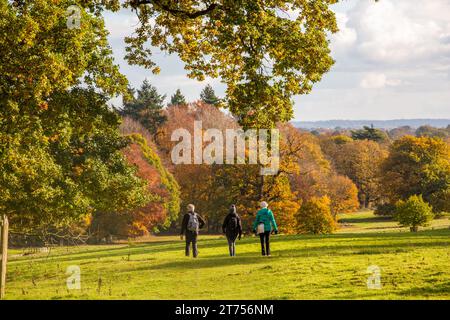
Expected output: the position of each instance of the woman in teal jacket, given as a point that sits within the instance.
(265, 217)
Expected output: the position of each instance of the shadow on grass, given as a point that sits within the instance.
(341, 247)
(213, 261)
(363, 220)
(442, 289)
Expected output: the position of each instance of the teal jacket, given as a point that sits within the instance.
(265, 216)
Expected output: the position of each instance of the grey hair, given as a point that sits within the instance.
(264, 204)
(191, 207)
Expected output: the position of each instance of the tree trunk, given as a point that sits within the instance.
(414, 228)
(3, 253)
(261, 188)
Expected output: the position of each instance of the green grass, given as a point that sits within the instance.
(366, 221)
(413, 266)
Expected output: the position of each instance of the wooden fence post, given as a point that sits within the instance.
(3, 253)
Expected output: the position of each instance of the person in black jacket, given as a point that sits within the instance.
(190, 226)
(232, 227)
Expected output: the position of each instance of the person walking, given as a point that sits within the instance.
(192, 223)
(263, 225)
(232, 227)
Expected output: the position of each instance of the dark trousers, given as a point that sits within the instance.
(265, 245)
(232, 244)
(191, 237)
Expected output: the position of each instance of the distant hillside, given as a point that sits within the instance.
(383, 124)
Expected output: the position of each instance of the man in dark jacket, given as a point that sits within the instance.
(192, 222)
(232, 227)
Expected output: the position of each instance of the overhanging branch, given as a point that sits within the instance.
(163, 5)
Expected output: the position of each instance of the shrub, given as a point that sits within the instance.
(413, 212)
(315, 216)
(385, 210)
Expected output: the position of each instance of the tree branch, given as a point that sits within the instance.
(176, 12)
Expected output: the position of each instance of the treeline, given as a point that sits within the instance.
(306, 190)
(382, 135)
(320, 175)
(395, 168)
(73, 169)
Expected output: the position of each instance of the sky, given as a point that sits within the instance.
(392, 61)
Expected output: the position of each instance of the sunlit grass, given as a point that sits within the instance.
(366, 221)
(413, 266)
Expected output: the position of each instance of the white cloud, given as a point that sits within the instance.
(121, 24)
(401, 44)
(346, 36)
(373, 81)
(401, 31)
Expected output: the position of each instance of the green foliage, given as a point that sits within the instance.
(60, 148)
(419, 166)
(260, 52)
(429, 131)
(341, 139)
(146, 107)
(208, 96)
(413, 212)
(41, 55)
(177, 99)
(315, 216)
(70, 166)
(369, 133)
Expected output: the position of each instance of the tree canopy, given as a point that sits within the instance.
(369, 133)
(419, 166)
(264, 51)
(59, 141)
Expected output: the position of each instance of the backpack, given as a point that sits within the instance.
(233, 223)
(193, 224)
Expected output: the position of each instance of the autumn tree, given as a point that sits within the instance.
(243, 185)
(342, 192)
(146, 107)
(208, 96)
(400, 132)
(429, 131)
(263, 54)
(60, 146)
(360, 160)
(198, 182)
(418, 166)
(315, 217)
(311, 175)
(214, 187)
(164, 202)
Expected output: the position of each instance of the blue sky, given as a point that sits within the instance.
(392, 61)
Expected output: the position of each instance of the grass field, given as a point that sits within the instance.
(413, 266)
